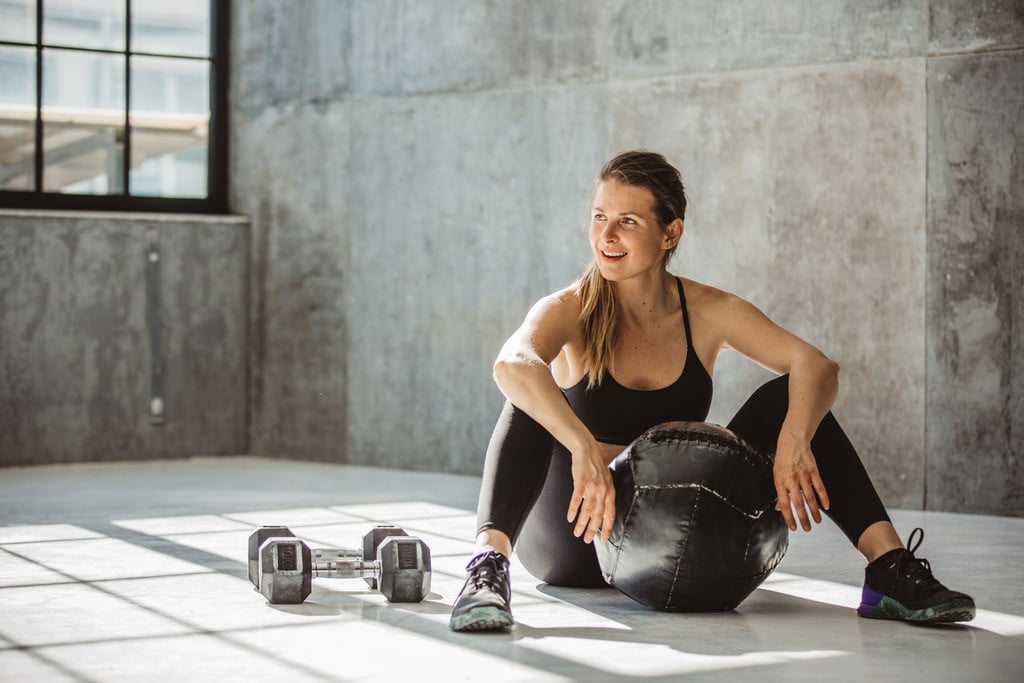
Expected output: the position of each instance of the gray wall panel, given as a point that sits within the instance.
(668, 36)
(74, 379)
(975, 25)
(976, 283)
(284, 51)
(402, 47)
(290, 174)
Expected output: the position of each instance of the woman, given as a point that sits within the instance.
(629, 346)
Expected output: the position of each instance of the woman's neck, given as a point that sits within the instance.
(644, 299)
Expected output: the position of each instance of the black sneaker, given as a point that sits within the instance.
(483, 603)
(899, 585)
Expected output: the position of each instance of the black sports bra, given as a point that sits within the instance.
(617, 414)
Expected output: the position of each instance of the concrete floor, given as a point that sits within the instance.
(137, 572)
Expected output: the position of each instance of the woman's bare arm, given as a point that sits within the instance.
(813, 388)
(522, 373)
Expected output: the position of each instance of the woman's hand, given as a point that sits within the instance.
(592, 505)
(797, 482)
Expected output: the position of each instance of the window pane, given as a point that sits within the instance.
(181, 27)
(84, 23)
(162, 84)
(17, 118)
(170, 117)
(83, 122)
(18, 20)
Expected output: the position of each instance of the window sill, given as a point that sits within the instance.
(142, 216)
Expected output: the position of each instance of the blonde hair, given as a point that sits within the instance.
(598, 315)
(598, 308)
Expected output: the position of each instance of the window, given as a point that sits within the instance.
(113, 104)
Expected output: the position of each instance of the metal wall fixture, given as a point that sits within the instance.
(153, 324)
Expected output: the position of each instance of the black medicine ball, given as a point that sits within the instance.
(696, 528)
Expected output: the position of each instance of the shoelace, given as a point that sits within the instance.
(915, 567)
(485, 572)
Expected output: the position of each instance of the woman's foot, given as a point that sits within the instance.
(899, 585)
(483, 604)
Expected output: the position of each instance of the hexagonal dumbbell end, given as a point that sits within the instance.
(371, 542)
(404, 569)
(256, 539)
(285, 571)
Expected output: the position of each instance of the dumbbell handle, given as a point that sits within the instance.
(343, 563)
(336, 554)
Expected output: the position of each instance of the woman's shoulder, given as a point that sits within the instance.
(709, 301)
(551, 323)
(699, 292)
(563, 304)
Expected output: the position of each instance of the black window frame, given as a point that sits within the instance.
(216, 201)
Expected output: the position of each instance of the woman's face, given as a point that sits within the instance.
(624, 232)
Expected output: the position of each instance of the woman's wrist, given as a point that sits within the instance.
(581, 444)
(796, 434)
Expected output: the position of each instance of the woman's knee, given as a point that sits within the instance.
(759, 420)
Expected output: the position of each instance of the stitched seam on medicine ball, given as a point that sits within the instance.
(746, 553)
(752, 456)
(738, 446)
(625, 523)
(693, 431)
(778, 559)
(654, 487)
(682, 551)
(766, 572)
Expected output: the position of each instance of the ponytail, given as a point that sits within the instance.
(598, 316)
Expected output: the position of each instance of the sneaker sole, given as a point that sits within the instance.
(482, 619)
(947, 613)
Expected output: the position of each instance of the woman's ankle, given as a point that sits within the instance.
(492, 539)
(877, 540)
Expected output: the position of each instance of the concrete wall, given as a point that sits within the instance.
(75, 349)
(418, 172)
(975, 285)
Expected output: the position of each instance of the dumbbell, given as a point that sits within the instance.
(371, 541)
(286, 566)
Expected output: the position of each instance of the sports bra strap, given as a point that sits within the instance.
(686, 317)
